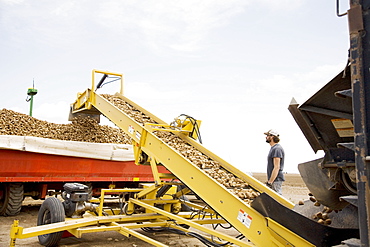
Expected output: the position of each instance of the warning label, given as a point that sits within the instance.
(244, 218)
(138, 135)
(131, 129)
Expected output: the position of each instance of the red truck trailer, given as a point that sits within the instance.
(37, 167)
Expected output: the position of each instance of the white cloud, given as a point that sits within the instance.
(176, 25)
(161, 25)
(11, 2)
(283, 4)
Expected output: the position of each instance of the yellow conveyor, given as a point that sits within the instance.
(240, 215)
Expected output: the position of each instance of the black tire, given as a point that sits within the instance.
(90, 191)
(51, 211)
(11, 198)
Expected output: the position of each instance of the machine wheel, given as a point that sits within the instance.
(348, 184)
(11, 197)
(51, 211)
(124, 209)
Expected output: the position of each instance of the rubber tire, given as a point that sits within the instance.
(90, 190)
(51, 211)
(11, 201)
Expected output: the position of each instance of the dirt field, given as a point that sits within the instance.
(293, 190)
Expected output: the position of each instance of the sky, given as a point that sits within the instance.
(234, 64)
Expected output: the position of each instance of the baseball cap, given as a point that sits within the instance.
(272, 132)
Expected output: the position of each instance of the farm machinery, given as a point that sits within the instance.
(256, 212)
(335, 120)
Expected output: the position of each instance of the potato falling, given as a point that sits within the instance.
(236, 185)
(324, 216)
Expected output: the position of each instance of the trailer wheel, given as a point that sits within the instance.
(11, 197)
(51, 211)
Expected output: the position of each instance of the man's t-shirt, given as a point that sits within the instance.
(276, 151)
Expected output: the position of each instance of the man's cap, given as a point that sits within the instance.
(272, 132)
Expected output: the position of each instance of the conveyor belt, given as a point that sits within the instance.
(162, 146)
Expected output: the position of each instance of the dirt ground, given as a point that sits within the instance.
(293, 190)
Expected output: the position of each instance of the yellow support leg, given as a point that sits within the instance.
(153, 165)
(15, 229)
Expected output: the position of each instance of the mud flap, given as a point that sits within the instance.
(313, 232)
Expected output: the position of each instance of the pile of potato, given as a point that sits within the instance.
(225, 178)
(128, 109)
(80, 129)
(323, 217)
(246, 195)
(188, 151)
(211, 167)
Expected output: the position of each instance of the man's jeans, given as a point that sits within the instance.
(276, 185)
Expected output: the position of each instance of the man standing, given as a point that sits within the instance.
(275, 162)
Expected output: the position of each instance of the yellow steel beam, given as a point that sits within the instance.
(165, 127)
(182, 192)
(124, 230)
(154, 167)
(114, 226)
(135, 190)
(103, 191)
(191, 223)
(82, 101)
(166, 176)
(15, 231)
(50, 228)
(69, 225)
(147, 224)
(77, 232)
(148, 190)
(208, 221)
(160, 201)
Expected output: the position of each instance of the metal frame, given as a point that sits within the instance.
(359, 27)
(126, 224)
